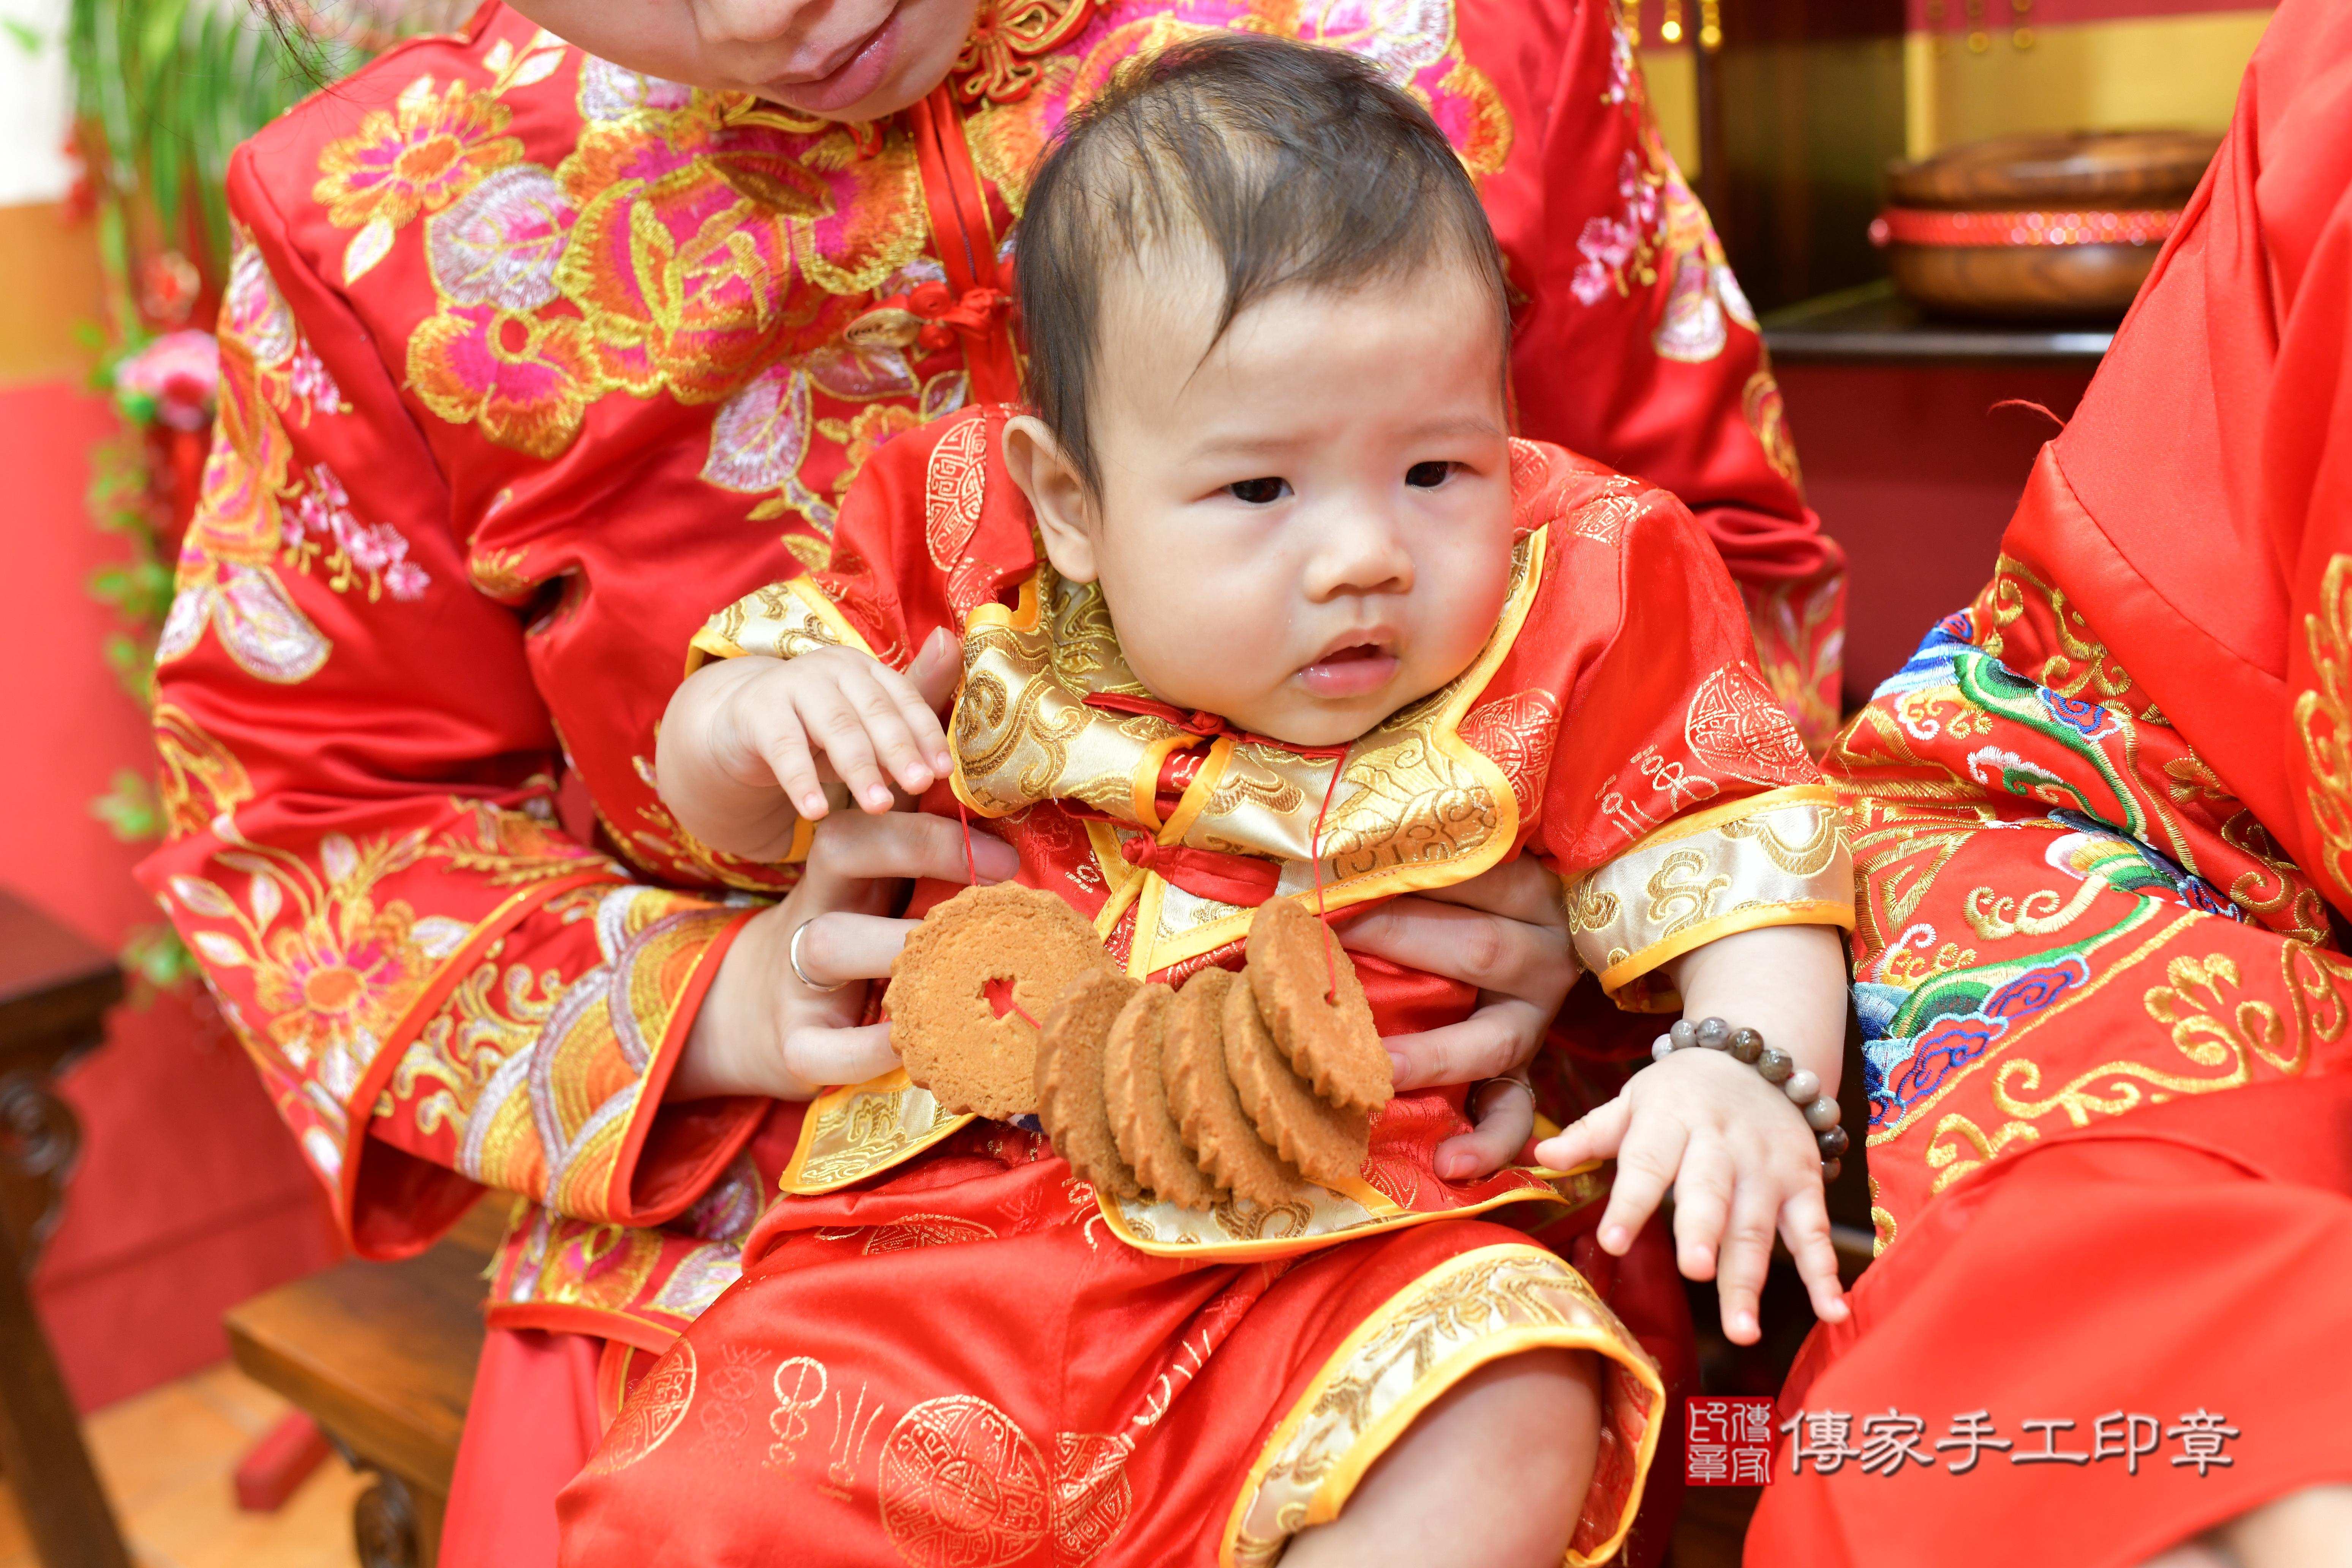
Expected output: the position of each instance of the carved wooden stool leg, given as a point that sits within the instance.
(40, 1440)
(55, 989)
(383, 1525)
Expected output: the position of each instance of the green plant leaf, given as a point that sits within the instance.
(154, 955)
(129, 808)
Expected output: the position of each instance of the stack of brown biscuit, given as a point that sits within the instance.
(1243, 1084)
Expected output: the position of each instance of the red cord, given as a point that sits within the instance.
(1315, 852)
(971, 869)
(971, 861)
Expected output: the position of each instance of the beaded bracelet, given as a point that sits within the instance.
(1802, 1087)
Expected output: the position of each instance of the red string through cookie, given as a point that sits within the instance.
(1001, 991)
(1315, 853)
(971, 861)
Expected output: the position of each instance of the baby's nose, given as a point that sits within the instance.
(1363, 553)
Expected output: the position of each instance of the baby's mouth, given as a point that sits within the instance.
(1353, 669)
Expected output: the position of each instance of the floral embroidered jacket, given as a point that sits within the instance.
(1613, 726)
(528, 361)
(2103, 817)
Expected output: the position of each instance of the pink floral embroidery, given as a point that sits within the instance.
(321, 527)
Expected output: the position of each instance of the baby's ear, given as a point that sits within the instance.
(1064, 508)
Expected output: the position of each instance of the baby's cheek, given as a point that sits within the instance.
(1203, 644)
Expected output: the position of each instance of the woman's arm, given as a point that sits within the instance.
(1639, 350)
(440, 988)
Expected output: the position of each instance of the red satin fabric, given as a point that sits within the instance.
(2194, 1256)
(542, 1402)
(532, 1423)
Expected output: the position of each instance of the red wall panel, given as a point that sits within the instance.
(1916, 473)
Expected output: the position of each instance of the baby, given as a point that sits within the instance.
(1258, 598)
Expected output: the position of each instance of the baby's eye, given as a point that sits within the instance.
(1428, 476)
(1259, 492)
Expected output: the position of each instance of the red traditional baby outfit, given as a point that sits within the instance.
(1000, 1364)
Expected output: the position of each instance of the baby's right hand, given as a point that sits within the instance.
(839, 710)
(748, 744)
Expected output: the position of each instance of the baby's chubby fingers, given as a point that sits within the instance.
(1592, 1136)
(1647, 1159)
(834, 724)
(1805, 1226)
(1702, 1205)
(786, 748)
(916, 711)
(906, 736)
(1746, 1256)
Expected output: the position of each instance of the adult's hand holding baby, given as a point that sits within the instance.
(1505, 933)
(782, 1022)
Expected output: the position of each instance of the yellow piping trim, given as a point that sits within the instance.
(1140, 953)
(1143, 788)
(1341, 1484)
(707, 645)
(1386, 1217)
(1738, 810)
(1804, 912)
(1124, 880)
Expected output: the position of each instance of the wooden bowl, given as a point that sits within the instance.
(2038, 228)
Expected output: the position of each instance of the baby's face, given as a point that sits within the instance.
(1309, 528)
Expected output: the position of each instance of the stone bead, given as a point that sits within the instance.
(1833, 1143)
(1684, 1034)
(1713, 1034)
(1775, 1066)
(1821, 1114)
(1829, 1169)
(1803, 1085)
(1661, 1047)
(1745, 1045)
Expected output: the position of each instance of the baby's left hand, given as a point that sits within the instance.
(1741, 1162)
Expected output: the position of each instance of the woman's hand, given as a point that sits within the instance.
(1505, 933)
(761, 1029)
(764, 1029)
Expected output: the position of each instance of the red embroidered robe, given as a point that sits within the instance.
(2104, 825)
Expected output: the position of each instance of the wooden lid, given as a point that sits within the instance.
(2080, 169)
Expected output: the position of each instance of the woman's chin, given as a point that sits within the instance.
(910, 55)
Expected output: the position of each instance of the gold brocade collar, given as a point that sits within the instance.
(1414, 805)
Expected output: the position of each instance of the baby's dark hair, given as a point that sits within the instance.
(1297, 166)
